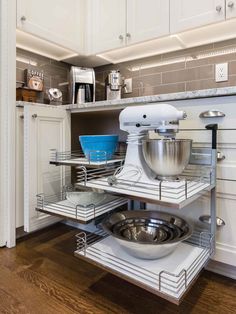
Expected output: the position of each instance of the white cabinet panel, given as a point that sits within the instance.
(226, 235)
(19, 168)
(58, 21)
(226, 169)
(44, 129)
(230, 9)
(147, 20)
(187, 14)
(108, 20)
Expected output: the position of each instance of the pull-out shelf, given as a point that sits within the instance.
(77, 158)
(169, 277)
(57, 205)
(195, 181)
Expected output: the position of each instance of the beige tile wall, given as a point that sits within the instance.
(185, 70)
(54, 72)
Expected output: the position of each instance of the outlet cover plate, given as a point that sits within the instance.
(221, 72)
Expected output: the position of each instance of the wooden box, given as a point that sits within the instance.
(26, 94)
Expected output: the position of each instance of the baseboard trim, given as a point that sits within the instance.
(222, 269)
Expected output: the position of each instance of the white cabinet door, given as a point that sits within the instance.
(230, 9)
(58, 21)
(44, 129)
(187, 14)
(108, 20)
(147, 20)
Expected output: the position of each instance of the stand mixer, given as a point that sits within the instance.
(148, 160)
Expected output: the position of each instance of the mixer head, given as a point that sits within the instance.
(162, 118)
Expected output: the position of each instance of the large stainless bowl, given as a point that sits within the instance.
(147, 234)
(167, 158)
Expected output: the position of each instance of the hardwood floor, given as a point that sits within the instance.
(42, 276)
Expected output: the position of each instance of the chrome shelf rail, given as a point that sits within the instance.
(198, 177)
(58, 205)
(75, 158)
(194, 181)
(150, 275)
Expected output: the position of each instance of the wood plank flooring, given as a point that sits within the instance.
(42, 276)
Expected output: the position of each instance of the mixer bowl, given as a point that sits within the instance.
(147, 234)
(167, 157)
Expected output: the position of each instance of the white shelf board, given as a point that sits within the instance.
(83, 214)
(172, 193)
(108, 254)
(85, 162)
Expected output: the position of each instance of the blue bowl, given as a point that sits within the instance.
(98, 147)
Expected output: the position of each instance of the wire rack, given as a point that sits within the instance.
(58, 205)
(194, 181)
(158, 277)
(94, 159)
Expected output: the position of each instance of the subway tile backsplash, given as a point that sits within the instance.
(55, 72)
(185, 70)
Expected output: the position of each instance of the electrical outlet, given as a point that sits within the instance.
(221, 72)
(128, 86)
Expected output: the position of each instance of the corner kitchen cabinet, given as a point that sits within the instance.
(187, 14)
(118, 23)
(46, 128)
(39, 128)
(57, 21)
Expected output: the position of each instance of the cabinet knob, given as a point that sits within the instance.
(220, 156)
(121, 37)
(218, 8)
(34, 115)
(23, 18)
(128, 35)
(230, 4)
(207, 219)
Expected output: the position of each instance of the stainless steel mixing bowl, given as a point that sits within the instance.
(147, 234)
(166, 157)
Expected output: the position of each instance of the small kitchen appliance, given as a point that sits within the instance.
(114, 85)
(55, 96)
(82, 85)
(150, 159)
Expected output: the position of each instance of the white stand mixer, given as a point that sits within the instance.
(137, 121)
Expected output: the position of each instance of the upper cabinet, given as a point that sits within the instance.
(146, 20)
(57, 21)
(187, 14)
(107, 21)
(85, 28)
(118, 23)
(230, 8)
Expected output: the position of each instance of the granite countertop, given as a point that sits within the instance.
(21, 103)
(121, 103)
